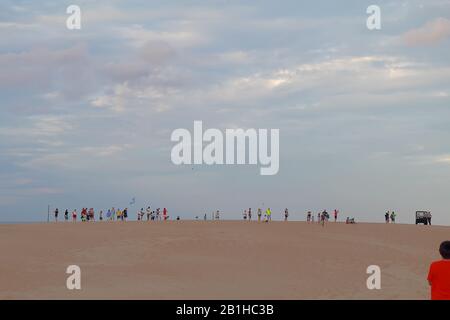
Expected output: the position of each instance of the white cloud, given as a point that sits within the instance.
(431, 33)
(138, 36)
(39, 126)
(10, 26)
(442, 159)
(346, 75)
(234, 57)
(117, 100)
(73, 158)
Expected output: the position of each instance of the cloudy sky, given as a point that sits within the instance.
(364, 116)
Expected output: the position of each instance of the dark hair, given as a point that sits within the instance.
(444, 249)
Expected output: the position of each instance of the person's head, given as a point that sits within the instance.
(444, 249)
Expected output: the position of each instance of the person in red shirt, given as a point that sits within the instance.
(439, 274)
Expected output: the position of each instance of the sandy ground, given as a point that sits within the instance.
(216, 260)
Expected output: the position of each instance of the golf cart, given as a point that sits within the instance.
(422, 217)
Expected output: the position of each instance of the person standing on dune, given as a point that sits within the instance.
(269, 215)
(286, 214)
(323, 217)
(66, 215)
(259, 214)
(386, 217)
(56, 214)
(149, 213)
(74, 215)
(393, 215)
(429, 218)
(336, 211)
(249, 214)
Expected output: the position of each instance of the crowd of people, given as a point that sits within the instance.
(152, 215)
(114, 214)
(148, 214)
(247, 215)
(390, 216)
(322, 216)
(158, 215)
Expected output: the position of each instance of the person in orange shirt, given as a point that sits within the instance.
(439, 274)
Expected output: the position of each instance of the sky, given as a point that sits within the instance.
(364, 115)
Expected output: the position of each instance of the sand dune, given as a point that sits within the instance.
(216, 260)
